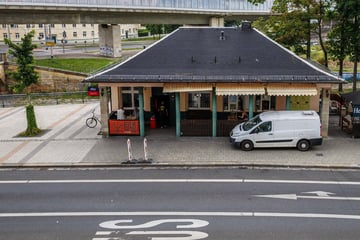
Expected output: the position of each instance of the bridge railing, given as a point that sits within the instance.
(203, 5)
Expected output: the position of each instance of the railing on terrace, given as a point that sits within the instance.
(190, 5)
(15, 100)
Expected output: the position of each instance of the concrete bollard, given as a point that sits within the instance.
(146, 154)
(129, 150)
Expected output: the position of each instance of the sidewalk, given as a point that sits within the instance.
(68, 142)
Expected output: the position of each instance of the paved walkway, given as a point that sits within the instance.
(68, 142)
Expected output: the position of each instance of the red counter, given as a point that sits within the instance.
(124, 127)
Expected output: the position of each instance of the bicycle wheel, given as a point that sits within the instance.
(91, 122)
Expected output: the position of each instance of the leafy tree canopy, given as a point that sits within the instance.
(25, 74)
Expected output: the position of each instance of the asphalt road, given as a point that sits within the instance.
(179, 204)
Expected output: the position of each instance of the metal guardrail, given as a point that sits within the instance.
(15, 100)
(190, 5)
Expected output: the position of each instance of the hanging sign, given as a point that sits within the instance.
(356, 110)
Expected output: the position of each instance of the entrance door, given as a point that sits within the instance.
(156, 102)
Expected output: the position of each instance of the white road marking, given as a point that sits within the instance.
(178, 181)
(104, 232)
(204, 214)
(193, 235)
(320, 196)
(114, 224)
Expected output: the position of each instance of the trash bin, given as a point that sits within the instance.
(152, 122)
(356, 130)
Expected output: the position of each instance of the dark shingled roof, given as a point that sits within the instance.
(207, 54)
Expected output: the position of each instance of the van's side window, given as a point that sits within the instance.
(265, 127)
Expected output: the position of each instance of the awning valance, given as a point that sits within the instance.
(292, 90)
(187, 87)
(240, 89)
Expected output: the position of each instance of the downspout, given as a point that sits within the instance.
(177, 110)
(214, 113)
(251, 106)
(141, 112)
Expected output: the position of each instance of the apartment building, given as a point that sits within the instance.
(67, 33)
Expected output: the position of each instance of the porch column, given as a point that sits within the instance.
(115, 98)
(214, 113)
(141, 112)
(104, 111)
(177, 110)
(287, 104)
(251, 106)
(324, 114)
(110, 40)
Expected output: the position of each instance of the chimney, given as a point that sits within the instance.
(246, 26)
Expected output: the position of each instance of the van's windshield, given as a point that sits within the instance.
(251, 123)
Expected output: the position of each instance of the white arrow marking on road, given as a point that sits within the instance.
(320, 195)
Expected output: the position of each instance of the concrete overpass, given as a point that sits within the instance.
(110, 13)
(196, 12)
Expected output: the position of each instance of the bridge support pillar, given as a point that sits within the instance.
(216, 22)
(110, 40)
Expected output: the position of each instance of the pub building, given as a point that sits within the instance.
(208, 78)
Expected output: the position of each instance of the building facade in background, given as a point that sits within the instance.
(67, 33)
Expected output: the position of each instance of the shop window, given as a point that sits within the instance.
(130, 97)
(265, 103)
(232, 103)
(199, 100)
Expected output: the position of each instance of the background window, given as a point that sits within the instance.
(232, 103)
(199, 100)
(130, 97)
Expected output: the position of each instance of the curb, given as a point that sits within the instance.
(141, 165)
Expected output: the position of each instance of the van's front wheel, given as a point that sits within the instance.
(303, 145)
(246, 145)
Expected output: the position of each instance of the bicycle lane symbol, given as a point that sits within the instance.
(168, 235)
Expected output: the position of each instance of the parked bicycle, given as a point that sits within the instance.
(92, 121)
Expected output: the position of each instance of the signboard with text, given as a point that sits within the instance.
(356, 110)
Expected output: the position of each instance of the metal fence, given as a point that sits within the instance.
(204, 5)
(15, 100)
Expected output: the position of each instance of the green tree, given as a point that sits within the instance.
(158, 29)
(294, 21)
(350, 9)
(337, 43)
(24, 76)
(289, 25)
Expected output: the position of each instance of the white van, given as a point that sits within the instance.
(300, 129)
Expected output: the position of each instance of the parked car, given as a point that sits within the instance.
(300, 129)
